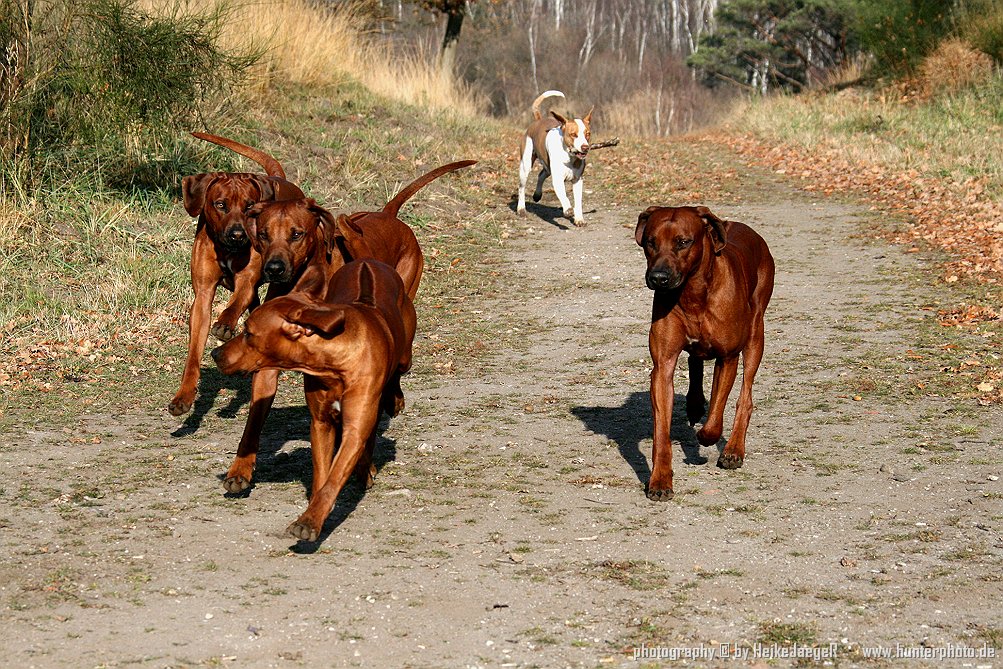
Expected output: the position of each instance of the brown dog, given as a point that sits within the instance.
(302, 245)
(352, 351)
(222, 253)
(712, 281)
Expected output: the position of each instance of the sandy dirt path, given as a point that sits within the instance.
(508, 525)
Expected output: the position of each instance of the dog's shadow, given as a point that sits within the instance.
(546, 213)
(630, 423)
(211, 383)
(275, 465)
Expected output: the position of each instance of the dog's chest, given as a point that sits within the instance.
(707, 337)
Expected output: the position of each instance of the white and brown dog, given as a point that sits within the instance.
(561, 145)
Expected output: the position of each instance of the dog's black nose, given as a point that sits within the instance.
(659, 279)
(235, 236)
(275, 270)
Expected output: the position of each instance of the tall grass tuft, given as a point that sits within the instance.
(313, 44)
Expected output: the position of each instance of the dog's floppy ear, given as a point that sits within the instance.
(265, 187)
(251, 219)
(348, 228)
(327, 321)
(560, 119)
(194, 188)
(325, 221)
(352, 239)
(642, 221)
(715, 226)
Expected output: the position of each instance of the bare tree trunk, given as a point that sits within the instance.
(532, 52)
(447, 59)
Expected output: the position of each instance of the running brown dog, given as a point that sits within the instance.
(302, 245)
(222, 252)
(352, 349)
(712, 280)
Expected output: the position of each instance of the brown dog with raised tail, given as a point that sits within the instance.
(712, 281)
(352, 351)
(222, 254)
(302, 245)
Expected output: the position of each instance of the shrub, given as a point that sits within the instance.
(102, 89)
(900, 34)
(982, 26)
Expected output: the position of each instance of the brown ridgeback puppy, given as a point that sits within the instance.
(302, 245)
(222, 253)
(712, 281)
(352, 350)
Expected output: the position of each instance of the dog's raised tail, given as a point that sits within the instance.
(271, 166)
(537, 114)
(394, 205)
(366, 281)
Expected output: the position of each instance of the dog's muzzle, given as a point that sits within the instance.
(660, 279)
(276, 271)
(235, 238)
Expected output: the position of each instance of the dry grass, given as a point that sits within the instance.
(308, 44)
(951, 136)
(952, 67)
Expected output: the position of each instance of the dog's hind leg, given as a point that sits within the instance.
(696, 403)
(725, 371)
(538, 193)
(525, 166)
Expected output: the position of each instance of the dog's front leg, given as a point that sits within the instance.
(360, 411)
(662, 396)
(205, 277)
(263, 386)
(245, 291)
(560, 179)
(665, 342)
(577, 186)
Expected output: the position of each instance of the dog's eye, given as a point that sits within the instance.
(295, 234)
(650, 243)
(683, 244)
(263, 235)
(247, 207)
(220, 204)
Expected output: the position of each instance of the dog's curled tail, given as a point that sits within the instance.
(271, 166)
(537, 114)
(394, 205)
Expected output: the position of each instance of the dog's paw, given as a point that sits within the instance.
(569, 213)
(302, 531)
(223, 331)
(236, 484)
(695, 409)
(537, 196)
(730, 461)
(707, 436)
(580, 222)
(366, 475)
(521, 211)
(659, 495)
(179, 406)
